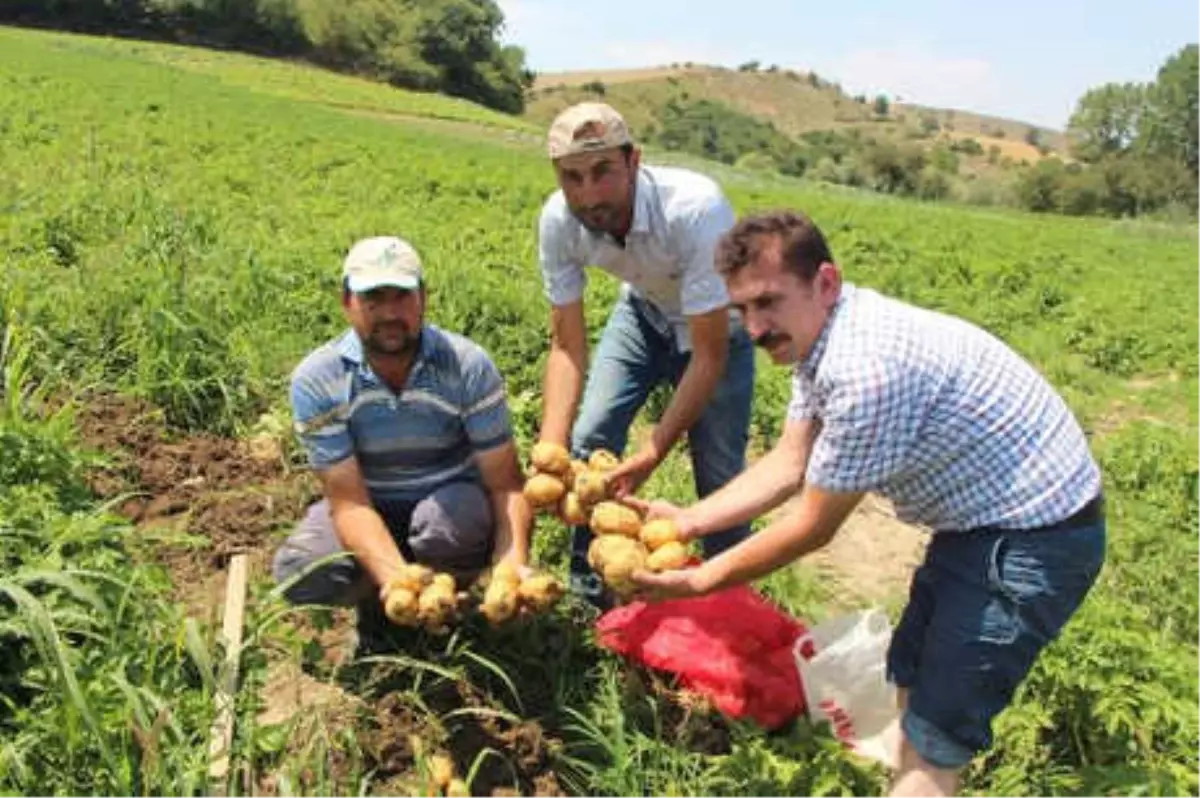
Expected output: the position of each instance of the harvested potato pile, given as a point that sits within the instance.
(507, 592)
(624, 545)
(417, 596)
(564, 487)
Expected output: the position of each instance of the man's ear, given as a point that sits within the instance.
(829, 283)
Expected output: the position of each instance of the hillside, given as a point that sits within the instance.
(172, 225)
(795, 103)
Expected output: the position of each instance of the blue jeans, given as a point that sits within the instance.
(634, 355)
(982, 607)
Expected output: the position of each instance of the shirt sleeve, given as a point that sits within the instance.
(803, 405)
(869, 426)
(485, 414)
(321, 418)
(563, 277)
(703, 289)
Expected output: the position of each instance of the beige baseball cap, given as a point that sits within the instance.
(380, 261)
(587, 127)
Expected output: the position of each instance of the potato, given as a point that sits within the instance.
(612, 518)
(412, 576)
(577, 468)
(572, 510)
(441, 770)
(401, 606)
(605, 547)
(658, 533)
(540, 591)
(620, 567)
(668, 557)
(550, 458)
(506, 573)
(445, 582)
(500, 600)
(543, 490)
(591, 487)
(457, 788)
(603, 460)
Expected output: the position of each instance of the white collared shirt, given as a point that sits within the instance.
(668, 257)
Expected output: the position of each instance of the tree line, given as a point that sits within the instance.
(448, 46)
(1134, 148)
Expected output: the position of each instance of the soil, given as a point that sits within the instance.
(203, 497)
(872, 557)
(199, 499)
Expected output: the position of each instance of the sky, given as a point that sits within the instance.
(1025, 60)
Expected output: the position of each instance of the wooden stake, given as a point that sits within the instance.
(221, 739)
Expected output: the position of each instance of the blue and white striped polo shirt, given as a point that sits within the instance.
(407, 443)
(939, 416)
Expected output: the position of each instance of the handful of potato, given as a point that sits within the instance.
(565, 487)
(624, 545)
(417, 596)
(507, 592)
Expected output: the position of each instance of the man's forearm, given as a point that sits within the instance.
(762, 487)
(784, 541)
(561, 388)
(513, 522)
(696, 387)
(362, 532)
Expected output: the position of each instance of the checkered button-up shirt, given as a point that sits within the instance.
(939, 416)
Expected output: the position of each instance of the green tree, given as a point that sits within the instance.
(1169, 129)
(1105, 120)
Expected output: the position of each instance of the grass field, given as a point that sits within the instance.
(172, 223)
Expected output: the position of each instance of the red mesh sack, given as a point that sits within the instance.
(732, 646)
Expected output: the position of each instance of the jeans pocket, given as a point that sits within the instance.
(995, 571)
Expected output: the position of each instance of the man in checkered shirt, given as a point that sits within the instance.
(960, 433)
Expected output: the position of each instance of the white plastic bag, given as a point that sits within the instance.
(843, 667)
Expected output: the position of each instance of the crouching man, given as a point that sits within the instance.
(407, 428)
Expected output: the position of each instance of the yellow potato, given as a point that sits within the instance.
(603, 460)
(401, 606)
(445, 582)
(612, 518)
(591, 487)
(550, 458)
(605, 547)
(412, 576)
(572, 510)
(457, 788)
(620, 567)
(436, 603)
(668, 557)
(543, 490)
(540, 591)
(577, 468)
(658, 533)
(506, 573)
(441, 770)
(500, 602)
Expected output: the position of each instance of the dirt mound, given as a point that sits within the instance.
(228, 495)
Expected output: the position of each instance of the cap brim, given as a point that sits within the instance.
(361, 284)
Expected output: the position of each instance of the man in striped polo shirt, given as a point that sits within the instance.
(407, 428)
(962, 434)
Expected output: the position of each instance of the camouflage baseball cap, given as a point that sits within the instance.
(587, 127)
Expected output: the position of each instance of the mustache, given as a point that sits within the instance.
(769, 340)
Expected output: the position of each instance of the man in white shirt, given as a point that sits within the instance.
(655, 229)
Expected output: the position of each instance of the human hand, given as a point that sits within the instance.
(629, 475)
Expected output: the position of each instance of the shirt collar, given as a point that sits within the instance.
(808, 366)
(351, 349)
